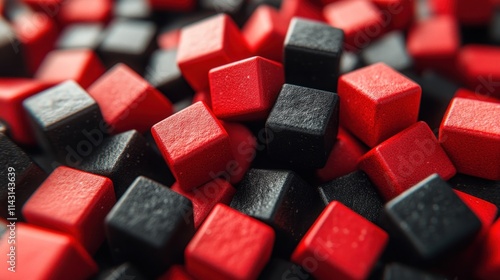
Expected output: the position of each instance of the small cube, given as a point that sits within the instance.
(127, 101)
(61, 116)
(340, 245)
(429, 221)
(194, 144)
(302, 126)
(389, 49)
(78, 11)
(229, 245)
(74, 202)
(470, 135)
(406, 159)
(150, 225)
(206, 44)
(312, 53)
(377, 102)
(245, 90)
(81, 36)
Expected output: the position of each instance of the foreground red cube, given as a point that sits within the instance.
(207, 44)
(74, 202)
(340, 244)
(195, 145)
(245, 90)
(377, 102)
(470, 134)
(406, 159)
(127, 101)
(229, 245)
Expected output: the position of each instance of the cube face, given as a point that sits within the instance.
(406, 159)
(80, 36)
(472, 123)
(479, 67)
(306, 118)
(390, 103)
(225, 234)
(74, 202)
(348, 244)
(435, 219)
(127, 101)
(223, 44)
(60, 116)
(391, 50)
(138, 232)
(245, 90)
(355, 17)
(205, 148)
(312, 54)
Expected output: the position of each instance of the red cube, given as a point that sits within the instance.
(434, 43)
(406, 159)
(245, 90)
(207, 44)
(127, 101)
(78, 11)
(470, 134)
(489, 262)
(74, 202)
(44, 254)
(12, 94)
(298, 8)
(206, 197)
(243, 148)
(360, 19)
(341, 245)
(173, 5)
(83, 66)
(229, 245)
(265, 33)
(377, 102)
(479, 68)
(465, 93)
(399, 13)
(195, 145)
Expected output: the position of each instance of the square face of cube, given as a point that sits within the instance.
(245, 90)
(195, 145)
(472, 123)
(377, 102)
(306, 118)
(119, 34)
(431, 219)
(348, 244)
(312, 54)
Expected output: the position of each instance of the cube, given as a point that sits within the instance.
(312, 54)
(406, 159)
(79, 202)
(80, 36)
(245, 90)
(127, 101)
(207, 44)
(341, 245)
(150, 225)
(471, 137)
(302, 126)
(377, 102)
(194, 144)
(229, 245)
(429, 221)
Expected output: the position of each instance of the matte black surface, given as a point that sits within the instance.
(125, 156)
(130, 42)
(11, 52)
(281, 199)
(312, 54)
(63, 117)
(356, 191)
(81, 36)
(478, 187)
(234, 8)
(495, 27)
(132, 9)
(391, 50)
(150, 226)
(396, 271)
(125, 271)
(27, 176)
(164, 74)
(430, 220)
(281, 269)
(302, 127)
